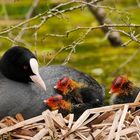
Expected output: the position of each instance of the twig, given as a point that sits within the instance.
(21, 124)
(121, 122)
(114, 125)
(33, 18)
(129, 41)
(58, 52)
(130, 35)
(40, 135)
(7, 38)
(74, 44)
(28, 15)
(67, 33)
(46, 15)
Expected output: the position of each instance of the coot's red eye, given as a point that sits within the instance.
(25, 67)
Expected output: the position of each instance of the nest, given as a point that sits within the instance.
(105, 123)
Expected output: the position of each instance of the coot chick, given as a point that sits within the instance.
(18, 67)
(54, 102)
(79, 92)
(123, 90)
(66, 106)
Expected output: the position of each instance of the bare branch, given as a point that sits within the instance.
(129, 41)
(45, 16)
(7, 38)
(92, 28)
(72, 48)
(130, 35)
(28, 15)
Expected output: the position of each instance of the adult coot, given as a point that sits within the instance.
(123, 90)
(18, 67)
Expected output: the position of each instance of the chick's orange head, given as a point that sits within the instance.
(118, 84)
(64, 85)
(54, 102)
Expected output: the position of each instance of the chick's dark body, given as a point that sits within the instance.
(83, 99)
(127, 98)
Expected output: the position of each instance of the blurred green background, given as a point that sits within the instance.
(95, 56)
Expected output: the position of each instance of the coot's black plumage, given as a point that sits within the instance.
(18, 67)
(14, 63)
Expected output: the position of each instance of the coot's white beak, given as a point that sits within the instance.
(38, 81)
(36, 78)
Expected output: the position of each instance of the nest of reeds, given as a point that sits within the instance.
(105, 123)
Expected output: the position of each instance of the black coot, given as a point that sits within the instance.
(18, 67)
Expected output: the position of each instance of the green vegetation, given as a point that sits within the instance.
(94, 56)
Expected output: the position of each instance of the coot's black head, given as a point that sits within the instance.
(20, 64)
